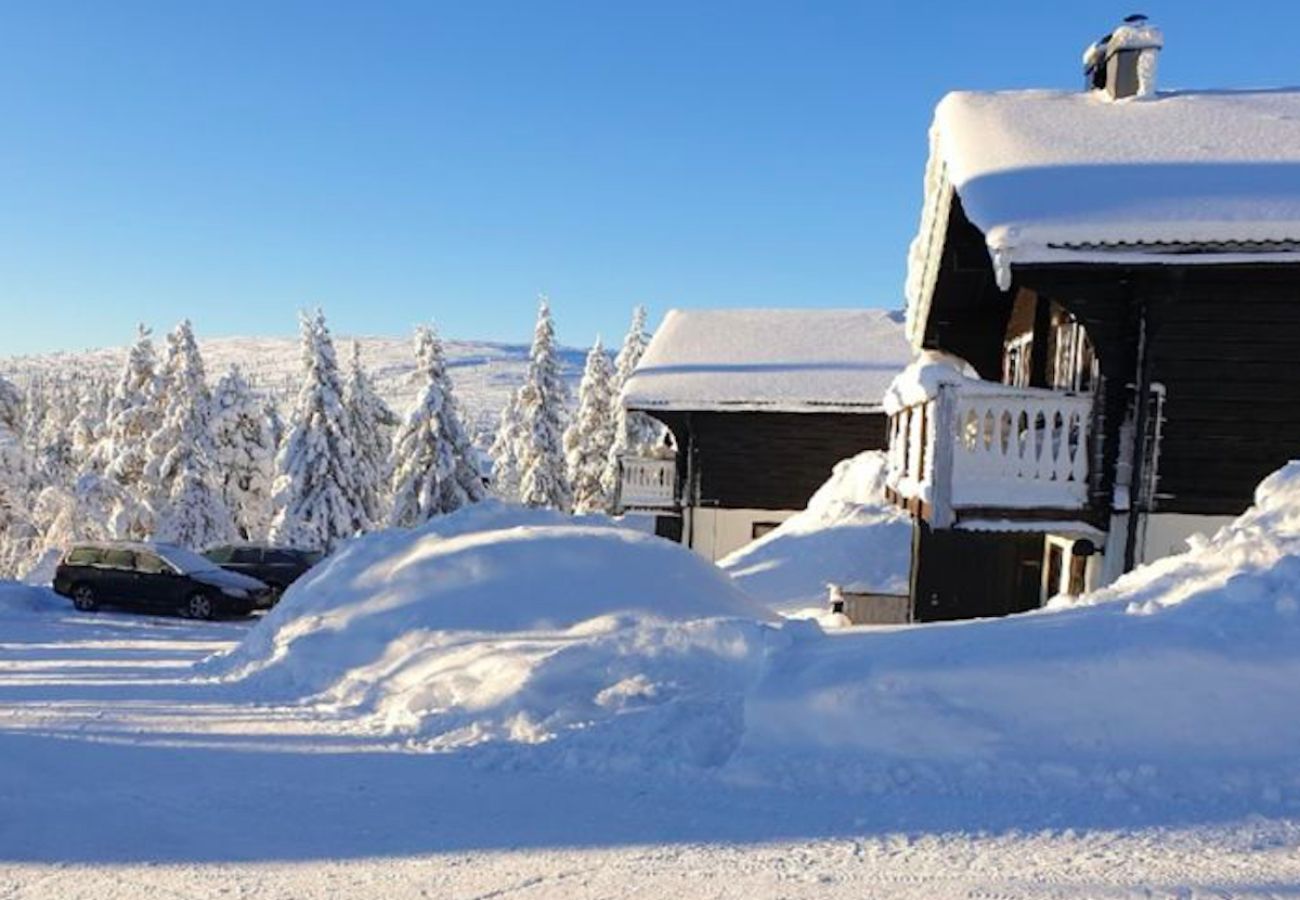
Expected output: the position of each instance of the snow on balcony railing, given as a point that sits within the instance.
(963, 443)
(647, 483)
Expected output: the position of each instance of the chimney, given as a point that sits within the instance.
(1123, 63)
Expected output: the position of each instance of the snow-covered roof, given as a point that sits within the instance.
(779, 360)
(1051, 176)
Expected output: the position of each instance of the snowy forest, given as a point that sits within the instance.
(163, 452)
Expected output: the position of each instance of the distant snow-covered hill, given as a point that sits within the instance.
(484, 371)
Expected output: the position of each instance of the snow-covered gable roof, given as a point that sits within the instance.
(1181, 177)
(779, 360)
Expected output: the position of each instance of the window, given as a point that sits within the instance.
(84, 556)
(150, 564)
(119, 559)
(246, 556)
(220, 555)
(758, 529)
(1015, 360)
(1074, 361)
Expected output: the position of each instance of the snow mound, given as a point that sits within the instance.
(848, 535)
(20, 601)
(1250, 568)
(509, 626)
(1179, 683)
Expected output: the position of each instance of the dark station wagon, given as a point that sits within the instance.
(279, 567)
(155, 577)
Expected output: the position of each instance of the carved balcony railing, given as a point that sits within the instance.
(984, 446)
(647, 483)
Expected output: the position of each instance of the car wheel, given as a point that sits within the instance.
(200, 606)
(83, 598)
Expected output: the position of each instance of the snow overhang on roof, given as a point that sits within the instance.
(1182, 177)
(776, 360)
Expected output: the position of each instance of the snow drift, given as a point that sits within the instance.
(541, 640)
(21, 601)
(848, 535)
(1180, 683)
(499, 624)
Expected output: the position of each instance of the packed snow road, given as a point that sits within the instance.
(123, 776)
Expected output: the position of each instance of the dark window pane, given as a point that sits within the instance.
(247, 555)
(220, 555)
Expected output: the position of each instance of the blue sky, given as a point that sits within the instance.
(395, 162)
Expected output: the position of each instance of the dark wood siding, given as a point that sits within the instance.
(966, 575)
(766, 460)
(1224, 341)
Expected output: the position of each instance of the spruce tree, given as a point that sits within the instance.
(181, 462)
(245, 450)
(543, 399)
(16, 531)
(634, 433)
(372, 421)
(504, 450)
(319, 502)
(435, 467)
(120, 454)
(588, 440)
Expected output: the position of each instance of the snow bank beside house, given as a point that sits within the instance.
(1178, 684)
(848, 535)
(528, 639)
(509, 626)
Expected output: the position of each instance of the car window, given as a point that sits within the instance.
(151, 564)
(119, 559)
(220, 555)
(84, 556)
(184, 561)
(247, 555)
(282, 557)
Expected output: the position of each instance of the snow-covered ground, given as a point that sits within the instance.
(506, 703)
(848, 535)
(123, 777)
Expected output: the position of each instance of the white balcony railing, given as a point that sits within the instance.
(647, 483)
(981, 445)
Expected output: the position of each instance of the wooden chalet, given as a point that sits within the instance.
(760, 405)
(1105, 284)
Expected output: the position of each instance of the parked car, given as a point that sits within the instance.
(157, 577)
(279, 567)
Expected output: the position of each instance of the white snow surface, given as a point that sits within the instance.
(614, 717)
(499, 623)
(848, 535)
(786, 360)
(1039, 169)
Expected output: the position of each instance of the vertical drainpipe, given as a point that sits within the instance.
(688, 485)
(1139, 437)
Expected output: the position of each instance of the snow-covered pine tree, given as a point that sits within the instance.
(435, 466)
(504, 450)
(543, 402)
(87, 425)
(633, 433)
(132, 417)
(316, 492)
(181, 461)
(245, 448)
(372, 422)
(16, 532)
(588, 440)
